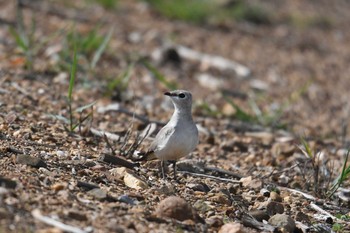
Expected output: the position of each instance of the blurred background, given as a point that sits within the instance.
(277, 64)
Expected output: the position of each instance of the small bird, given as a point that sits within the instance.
(179, 136)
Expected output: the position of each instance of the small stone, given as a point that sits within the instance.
(61, 154)
(201, 187)
(7, 183)
(283, 180)
(282, 149)
(210, 82)
(249, 182)
(4, 214)
(133, 181)
(214, 221)
(77, 215)
(259, 215)
(275, 197)
(98, 193)
(58, 186)
(302, 217)
(176, 208)
(31, 161)
(232, 228)
(50, 230)
(126, 199)
(283, 221)
(220, 198)
(274, 207)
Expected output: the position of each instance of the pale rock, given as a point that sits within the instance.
(133, 181)
(283, 221)
(250, 182)
(232, 228)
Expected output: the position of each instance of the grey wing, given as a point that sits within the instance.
(162, 138)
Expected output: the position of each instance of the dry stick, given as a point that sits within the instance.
(141, 138)
(210, 177)
(117, 161)
(64, 227)
(322, 211)
(250, 221)
(108, 144)
(213, 61)
(307, 196)
(279, 172)
(100, 133)
(222, 171)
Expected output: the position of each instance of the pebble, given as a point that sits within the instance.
(133, 181)
(98, 193)
(302, 217)
(275, 197)
(214, 221)
(274, 207)
(4, 214)
(7, 183)
(61, 154)
(259, 215)
(30, 160)
(201, 187)
(283, 221)
(58, 186)
(250, 182)
(232, 228)
(220, 198)
(73, 214)
(176, 208)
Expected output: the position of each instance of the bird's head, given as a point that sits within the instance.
(182, 99)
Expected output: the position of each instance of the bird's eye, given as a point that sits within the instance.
(182, 95)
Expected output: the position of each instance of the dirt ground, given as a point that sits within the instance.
(249, 164)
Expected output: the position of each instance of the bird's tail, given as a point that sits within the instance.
(144, 156)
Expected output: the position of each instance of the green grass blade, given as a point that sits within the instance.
(307, 148)
(342, 177)
(161, 78)
(240, 113)
(20, 40)
(73, 72)
(101, 48)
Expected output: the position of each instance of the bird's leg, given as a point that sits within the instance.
(174, 167)
(162, 164)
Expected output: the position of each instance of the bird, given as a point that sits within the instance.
(179, 136)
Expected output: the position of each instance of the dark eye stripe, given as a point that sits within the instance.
(182, 95)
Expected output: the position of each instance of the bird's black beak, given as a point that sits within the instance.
(169, 93)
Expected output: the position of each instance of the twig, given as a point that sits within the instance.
(222, 171)
(250, 221)
(108, 144)
(150, 128)
(100, 133)
(322, 211)
(279, 172)
(117, 161)
(64, 227)
(214, 61)
(210, 177)
(86, 185)
(307, 196)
